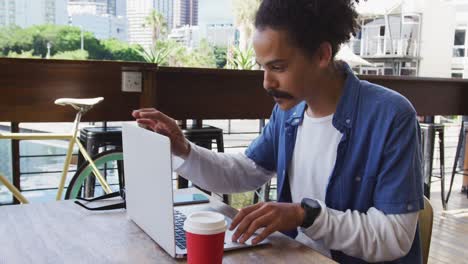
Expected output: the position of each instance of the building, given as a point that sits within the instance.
(98, 17)
(166, 7)
(137, 12)
(121, 8)
(26, 13)
(219, 34)
(77, 7)
(459, 67)
(215, 12)
(103, 26)
(389, 38)
(101, 6)
(216, 34)
(185, 13)
(407, 37)
(216, 22)
(189, 36)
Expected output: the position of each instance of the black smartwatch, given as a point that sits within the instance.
(312, 210)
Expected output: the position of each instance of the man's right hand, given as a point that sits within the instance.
(162, 124)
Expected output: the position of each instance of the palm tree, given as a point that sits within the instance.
(241, 60)
(244, 12)
(158, 53)
(158, 25)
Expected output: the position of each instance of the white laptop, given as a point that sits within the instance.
(149, 191)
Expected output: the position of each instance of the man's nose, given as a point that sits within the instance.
(269, 81)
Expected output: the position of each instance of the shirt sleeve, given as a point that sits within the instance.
(371, 236)
(222, 172)
(399, 184)
(262, 149)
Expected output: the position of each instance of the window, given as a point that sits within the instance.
(382, 31)
(459, 43)
(411, 19)
(457, 75)
(460, 35)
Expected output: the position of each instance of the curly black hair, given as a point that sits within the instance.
(309, 23)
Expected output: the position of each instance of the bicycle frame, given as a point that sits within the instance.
(48, 136)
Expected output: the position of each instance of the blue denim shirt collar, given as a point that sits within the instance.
(345, 110)
(344, 114)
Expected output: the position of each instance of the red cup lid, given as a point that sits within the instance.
(205, 223)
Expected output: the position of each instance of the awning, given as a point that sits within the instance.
(353, 60)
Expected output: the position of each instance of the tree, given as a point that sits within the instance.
(171, 53)
(71, 55)
(244, 13)
(154, 54)
(199, 57)
(24, 54)
(241, 60)
(122, 51)
(220, 54)
(15, 39)
(158, 25)
(202, 56)
(62, 39)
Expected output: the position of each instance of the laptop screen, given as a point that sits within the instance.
(148, 183)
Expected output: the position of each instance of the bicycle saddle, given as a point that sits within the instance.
(79, 104)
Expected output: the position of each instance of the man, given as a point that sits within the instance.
(346, 152)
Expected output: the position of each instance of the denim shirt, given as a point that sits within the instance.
(378, 161)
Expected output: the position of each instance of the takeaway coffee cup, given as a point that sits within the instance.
(205, 237)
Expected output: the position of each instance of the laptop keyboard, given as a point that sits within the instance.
(179, 219)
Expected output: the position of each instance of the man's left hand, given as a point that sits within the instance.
(272, 216)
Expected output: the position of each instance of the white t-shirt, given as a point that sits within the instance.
(313, 158)
(312, 164)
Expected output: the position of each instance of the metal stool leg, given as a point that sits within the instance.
(442, 168)
(90, 182)
(428, 154)
(455, 162)
(220, 143)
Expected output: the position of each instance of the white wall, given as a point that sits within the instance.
(437, 35)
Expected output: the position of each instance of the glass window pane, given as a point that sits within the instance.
(459, 37)
(43, 164)
(45, 147)
(42, 180)
(458, 52)
(457, 75)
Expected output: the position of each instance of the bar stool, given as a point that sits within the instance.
(93, 139)
(428, 135)
(204, 136)
(461, 142)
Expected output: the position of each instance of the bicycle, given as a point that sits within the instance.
(91, 165)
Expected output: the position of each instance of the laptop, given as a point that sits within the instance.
(149, 191)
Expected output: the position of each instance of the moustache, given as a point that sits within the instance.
(279, 94)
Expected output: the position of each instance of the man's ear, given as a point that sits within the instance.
(325, 54)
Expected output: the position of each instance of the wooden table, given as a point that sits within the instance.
(62, 232)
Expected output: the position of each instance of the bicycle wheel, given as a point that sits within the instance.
(112, 158)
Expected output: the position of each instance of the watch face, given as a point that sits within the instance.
(310, 203)
(312, 210)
